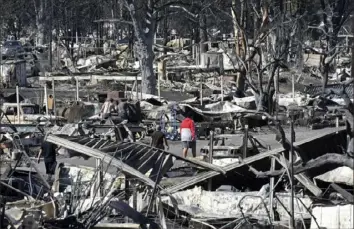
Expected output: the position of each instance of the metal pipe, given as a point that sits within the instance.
(293, 85)
(137, 86)
(46, 99)
(159, 84)
(51, 37)
(352, 75)
(222, 87)
(211, 149)
(99, 177)
(201, 90)
(155, 187)
(245, 142)
(271, 196)
(18, 103)
(53, 93)
(276, 83)
(77, 90)
(291, 160)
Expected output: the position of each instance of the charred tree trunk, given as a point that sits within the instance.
(239, 44)
(324, 68)
(40, 21)
(143, 46)
(165, 41)
(144, 52)
(352, 72)
(203, 35)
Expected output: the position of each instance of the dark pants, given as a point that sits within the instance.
(50, 167)
(190, 145)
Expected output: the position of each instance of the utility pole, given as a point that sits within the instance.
(352, 75)
(51, 36)
(291, 162)
(18, 104)
(352, 71)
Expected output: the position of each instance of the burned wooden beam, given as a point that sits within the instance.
(330, 158)
(306, 181)
(346, 195)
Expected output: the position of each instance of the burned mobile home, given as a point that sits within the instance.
(87, 88)
(134, 185)
(255, 168)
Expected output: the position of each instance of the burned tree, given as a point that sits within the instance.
(39, 8)
(145, 16)
(268, 49)
(333, 16)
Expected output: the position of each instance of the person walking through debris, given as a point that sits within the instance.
(158, 139)
(188, 136)
(49, 154)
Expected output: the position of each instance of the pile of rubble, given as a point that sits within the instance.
(241, 178)
(248, 172)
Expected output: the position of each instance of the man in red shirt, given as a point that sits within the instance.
(188, 136)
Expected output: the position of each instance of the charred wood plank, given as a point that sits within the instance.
(346, 195)
(306, 181)
(330, 158)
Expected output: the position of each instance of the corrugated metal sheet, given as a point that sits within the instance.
(339, 217)
(315, 89)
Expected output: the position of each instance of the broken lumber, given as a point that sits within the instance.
(331, 158)
(346, 195)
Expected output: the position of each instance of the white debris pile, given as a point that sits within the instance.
(298, 99)
(206, 204)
